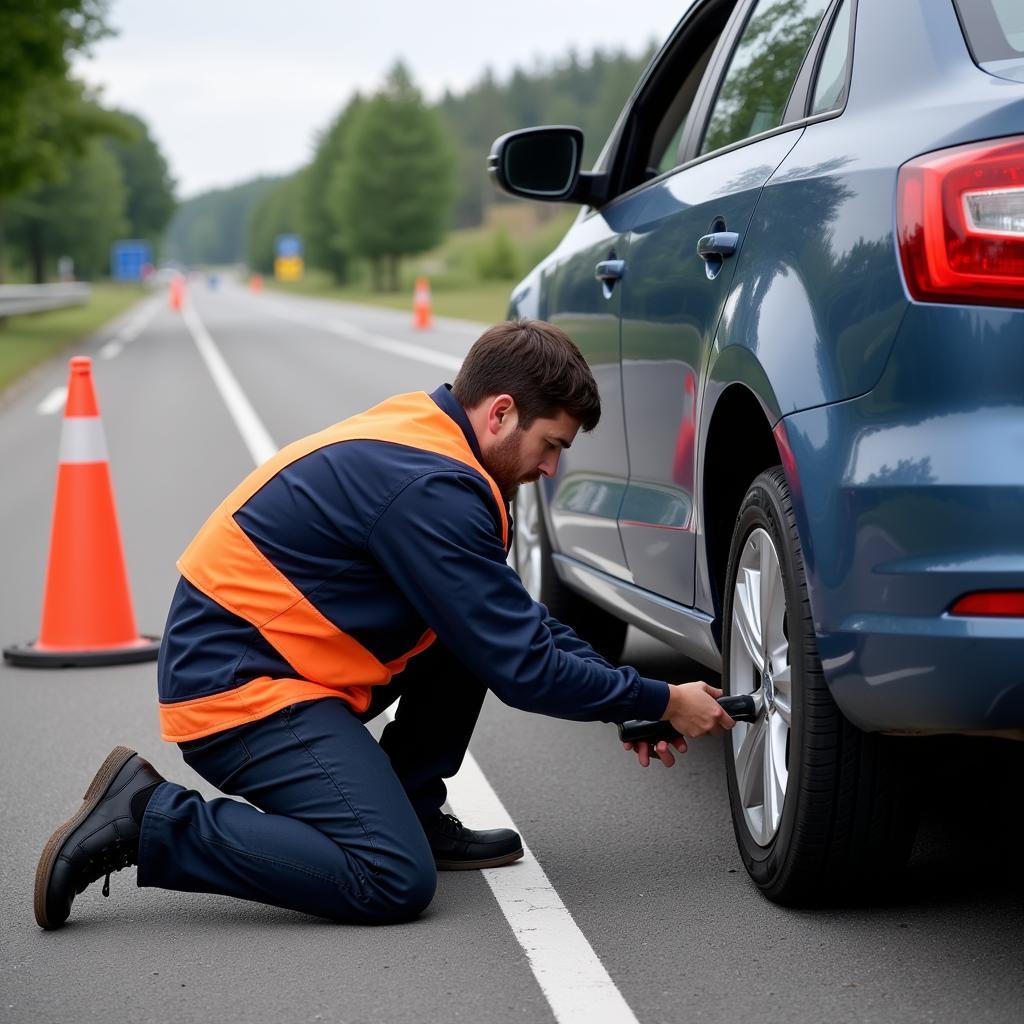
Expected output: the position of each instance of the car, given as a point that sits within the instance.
(798, 276)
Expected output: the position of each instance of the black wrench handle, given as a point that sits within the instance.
(739, 708)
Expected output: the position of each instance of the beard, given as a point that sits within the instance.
(503, 464)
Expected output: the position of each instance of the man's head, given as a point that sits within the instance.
(527, 391)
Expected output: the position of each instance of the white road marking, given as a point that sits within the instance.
(379, 342)
(568, 971)
(260, 444)
(111, 350)
(53, 402)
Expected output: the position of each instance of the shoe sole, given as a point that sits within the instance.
(474, 865)
(114, 762)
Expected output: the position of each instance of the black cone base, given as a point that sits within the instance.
(29, 656)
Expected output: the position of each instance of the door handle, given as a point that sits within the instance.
(717, 245)
(610, 271)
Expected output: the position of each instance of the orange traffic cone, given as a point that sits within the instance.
(177, 291)
(421, 304)
(255, 284)
(87, 607)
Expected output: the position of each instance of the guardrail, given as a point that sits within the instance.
(16, 299)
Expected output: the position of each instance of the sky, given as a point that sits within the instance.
(235, 88)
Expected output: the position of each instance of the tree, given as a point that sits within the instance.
(213, 227)
(42, 115)
(80, 217)
(279, 212)
(394, 190)
(149, 189)
(327, 240)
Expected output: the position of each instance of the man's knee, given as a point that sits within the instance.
(404, 887)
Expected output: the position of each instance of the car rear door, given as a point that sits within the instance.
(675, 296)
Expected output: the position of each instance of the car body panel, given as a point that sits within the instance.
(670, 311)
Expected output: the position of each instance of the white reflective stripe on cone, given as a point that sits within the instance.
(82, 440)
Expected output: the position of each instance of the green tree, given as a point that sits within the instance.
(213, 226)
(394, 190)
(149, 201)
(79, 217)
(279, 212)
(327, 240)
(42, 116)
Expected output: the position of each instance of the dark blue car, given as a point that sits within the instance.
(798, 276)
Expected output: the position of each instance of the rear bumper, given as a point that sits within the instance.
(906, 499)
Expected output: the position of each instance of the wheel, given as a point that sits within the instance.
(820, 809)
(531, 557)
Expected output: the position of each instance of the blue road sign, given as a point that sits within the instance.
(127, 259)
(288, 246)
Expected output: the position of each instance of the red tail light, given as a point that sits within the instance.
(1003, 603)
(960, 223)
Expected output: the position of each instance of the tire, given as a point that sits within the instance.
(531, 557)
(835, 819)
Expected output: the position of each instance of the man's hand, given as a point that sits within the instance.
(693, 711)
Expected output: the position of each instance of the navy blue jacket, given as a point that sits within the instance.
(386, 540)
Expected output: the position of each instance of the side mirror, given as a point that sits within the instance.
(542, 163)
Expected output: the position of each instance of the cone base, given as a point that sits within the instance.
(30, 656)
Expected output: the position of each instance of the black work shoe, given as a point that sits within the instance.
(101, 837)
(457, 848)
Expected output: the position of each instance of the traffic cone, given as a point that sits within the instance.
(255, 284)
(177, 292)
(87, 606)
(421, 304)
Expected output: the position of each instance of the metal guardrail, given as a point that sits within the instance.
(16, 299)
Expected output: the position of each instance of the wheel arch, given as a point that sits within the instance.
(740, 444)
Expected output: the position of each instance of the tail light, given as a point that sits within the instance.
(997, 603)
(960, 223)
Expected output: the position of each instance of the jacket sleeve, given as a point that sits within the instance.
(568, 640)
(438, 542)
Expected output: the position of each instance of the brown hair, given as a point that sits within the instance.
(535, 362)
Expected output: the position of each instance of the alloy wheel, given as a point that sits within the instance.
(759, 665)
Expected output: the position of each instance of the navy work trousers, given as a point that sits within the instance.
(339, 829)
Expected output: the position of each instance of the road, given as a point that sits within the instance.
(643, 862)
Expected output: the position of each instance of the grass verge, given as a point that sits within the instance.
(26, 341)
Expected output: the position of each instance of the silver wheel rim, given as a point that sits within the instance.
(526, 553)
(759, 665)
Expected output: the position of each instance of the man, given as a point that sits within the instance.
(360, 564)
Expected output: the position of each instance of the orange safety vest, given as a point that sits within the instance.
(225, 565)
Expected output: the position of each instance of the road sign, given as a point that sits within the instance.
(127, 259)
(288, 265)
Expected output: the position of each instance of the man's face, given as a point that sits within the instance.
(522, 456)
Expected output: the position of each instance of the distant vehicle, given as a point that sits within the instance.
(163, 275)
(798, 274)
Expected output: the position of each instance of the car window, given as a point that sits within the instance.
(994, 28)
(667, 138)
(830, 88)
(764, 65)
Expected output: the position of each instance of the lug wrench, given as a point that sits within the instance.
(740, 708)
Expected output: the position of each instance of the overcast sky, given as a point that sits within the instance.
(235, 88)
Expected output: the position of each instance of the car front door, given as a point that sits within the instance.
(583, 499)
(681, 263)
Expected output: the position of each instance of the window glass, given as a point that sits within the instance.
(830, 89)
(994, 28)
(665, 148)
(762, 71)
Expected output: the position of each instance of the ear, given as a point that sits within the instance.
(502, 415)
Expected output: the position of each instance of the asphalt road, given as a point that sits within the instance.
(644, 861)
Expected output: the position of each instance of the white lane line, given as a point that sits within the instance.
(568, 971)
(259, 442)
(111, 350)
(53, 402)
(379, 342)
